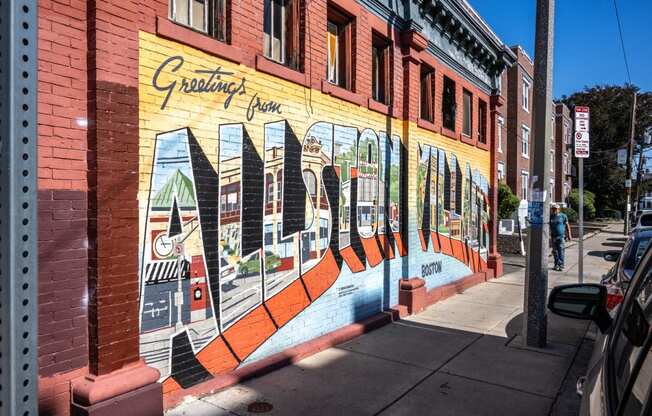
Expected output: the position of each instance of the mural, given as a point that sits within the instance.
(263, 227)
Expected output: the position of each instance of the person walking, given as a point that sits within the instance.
(559, 232)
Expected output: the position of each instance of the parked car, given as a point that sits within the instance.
(619, 377)
(619, 276)
(643, 220)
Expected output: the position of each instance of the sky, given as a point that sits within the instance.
(587, 46)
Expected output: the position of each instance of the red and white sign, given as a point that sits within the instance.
(581, 144)
(582, 117)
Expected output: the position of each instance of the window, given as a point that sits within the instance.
(281, 31)
(501, 171)
(279, 185)
(565, 169)
(339, 47)
(552, 161)
(269, 185)
(448, 104)
(499, 84)
(427, 92)
(552, 189)
(208, 16)
(526, 95)
(311, 182)
(380, 69)
(525, 179)
(467, 121)
(501, 126)
(482, 120)
(525, 138)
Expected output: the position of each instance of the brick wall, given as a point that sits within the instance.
(564, 129)
(516, 118)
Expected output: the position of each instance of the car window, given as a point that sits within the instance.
(635, 251)
(636, 316)
(646, 220)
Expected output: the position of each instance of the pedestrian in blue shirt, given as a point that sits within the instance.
(559, 232)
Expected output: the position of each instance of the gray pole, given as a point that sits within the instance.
(536, 282)
(580, 242)
(628, 176)
(18, 213)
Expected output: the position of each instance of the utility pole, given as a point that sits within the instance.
(536, 271)
(628, 176)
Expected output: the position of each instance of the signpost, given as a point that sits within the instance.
(582, 145)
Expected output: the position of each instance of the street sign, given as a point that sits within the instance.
(628, 183)
(581, 145)
(582, 119)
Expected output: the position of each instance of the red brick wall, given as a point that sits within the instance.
(516, 117)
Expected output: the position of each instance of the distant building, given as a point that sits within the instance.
(563, 152)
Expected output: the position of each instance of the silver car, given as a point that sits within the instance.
(619, 377)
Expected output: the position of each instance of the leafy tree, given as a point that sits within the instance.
(507, 201)
(611, 112)
(589, 203)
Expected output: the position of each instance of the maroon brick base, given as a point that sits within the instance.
(495, 264)
(145, 401)
(412, 295)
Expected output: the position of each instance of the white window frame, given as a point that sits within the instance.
(525, 94)
(501, 125)
(552, 160)
(501, 171)
(173, 14)
(332, 74)
(270, 54)
(525, 143)
(525, 184)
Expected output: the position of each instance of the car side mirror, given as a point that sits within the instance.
(610, 256)
(581, 301)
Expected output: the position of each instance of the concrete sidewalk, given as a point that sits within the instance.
(462, 356)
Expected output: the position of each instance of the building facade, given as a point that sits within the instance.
(223, 182)
(519, 123)
(564, 153)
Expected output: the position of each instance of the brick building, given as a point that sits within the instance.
(221, 183)
(563, 152)
(515, 145)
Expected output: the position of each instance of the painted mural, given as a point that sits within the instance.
(269, 218)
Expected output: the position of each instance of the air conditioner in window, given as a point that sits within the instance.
(506, 227)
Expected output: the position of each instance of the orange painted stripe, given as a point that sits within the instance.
(288, 303)
(351, 259)
(372, 250)
(400, 246)
(446, 246)
(458, 249)
(386, 246)
(322, 276)
(170, 385)
(216, 357)
(250, 332)
(422, 239)
(436, 245)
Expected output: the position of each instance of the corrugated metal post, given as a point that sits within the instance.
(18, 190)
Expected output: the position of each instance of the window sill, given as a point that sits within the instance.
(427, 125)
(341, 93)
(449, 133)
(467, 139)
(482, 145)
(380, 107)
(270, 67)
(178, 33)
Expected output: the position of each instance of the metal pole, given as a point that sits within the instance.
(18, 214)
(628, 176)
(580, 242)
(536, 282)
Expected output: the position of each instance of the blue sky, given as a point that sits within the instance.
(587, 46)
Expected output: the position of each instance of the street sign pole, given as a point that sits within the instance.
(628, 177)
(580, 241)
(581, 151)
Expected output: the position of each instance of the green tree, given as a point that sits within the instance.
(611, 112)
(589, 203)
(507, 201)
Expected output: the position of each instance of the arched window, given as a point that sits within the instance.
(311, 182)
(269, 186)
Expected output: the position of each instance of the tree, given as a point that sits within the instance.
(611, 112)
(507, 201)
(589, 203)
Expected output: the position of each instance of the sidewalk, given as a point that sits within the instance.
(462, 356)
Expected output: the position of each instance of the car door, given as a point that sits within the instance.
(628, 366)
